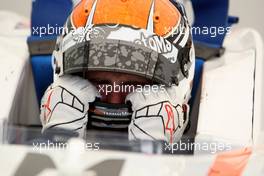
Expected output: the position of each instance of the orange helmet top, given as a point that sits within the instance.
(128, 12)
(104, 34)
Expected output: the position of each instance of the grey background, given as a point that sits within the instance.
(251, 12)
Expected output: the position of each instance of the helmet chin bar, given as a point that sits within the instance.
(125, 49)
(107, 116)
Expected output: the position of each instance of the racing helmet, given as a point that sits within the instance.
(150, 38)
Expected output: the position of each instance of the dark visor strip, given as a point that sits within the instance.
(107, 56)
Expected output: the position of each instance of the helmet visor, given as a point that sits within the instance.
(141, 53)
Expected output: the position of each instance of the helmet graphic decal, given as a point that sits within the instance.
(150, 26)
(91, 15)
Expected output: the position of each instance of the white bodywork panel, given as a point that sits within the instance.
(13, 157)
(18, 100)
(232, 91)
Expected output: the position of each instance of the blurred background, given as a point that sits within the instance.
(248, 11)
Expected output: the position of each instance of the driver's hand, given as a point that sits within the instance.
(157, 115)
(65, 103)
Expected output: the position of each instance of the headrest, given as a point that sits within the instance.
(211, 15)
(49, 14)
